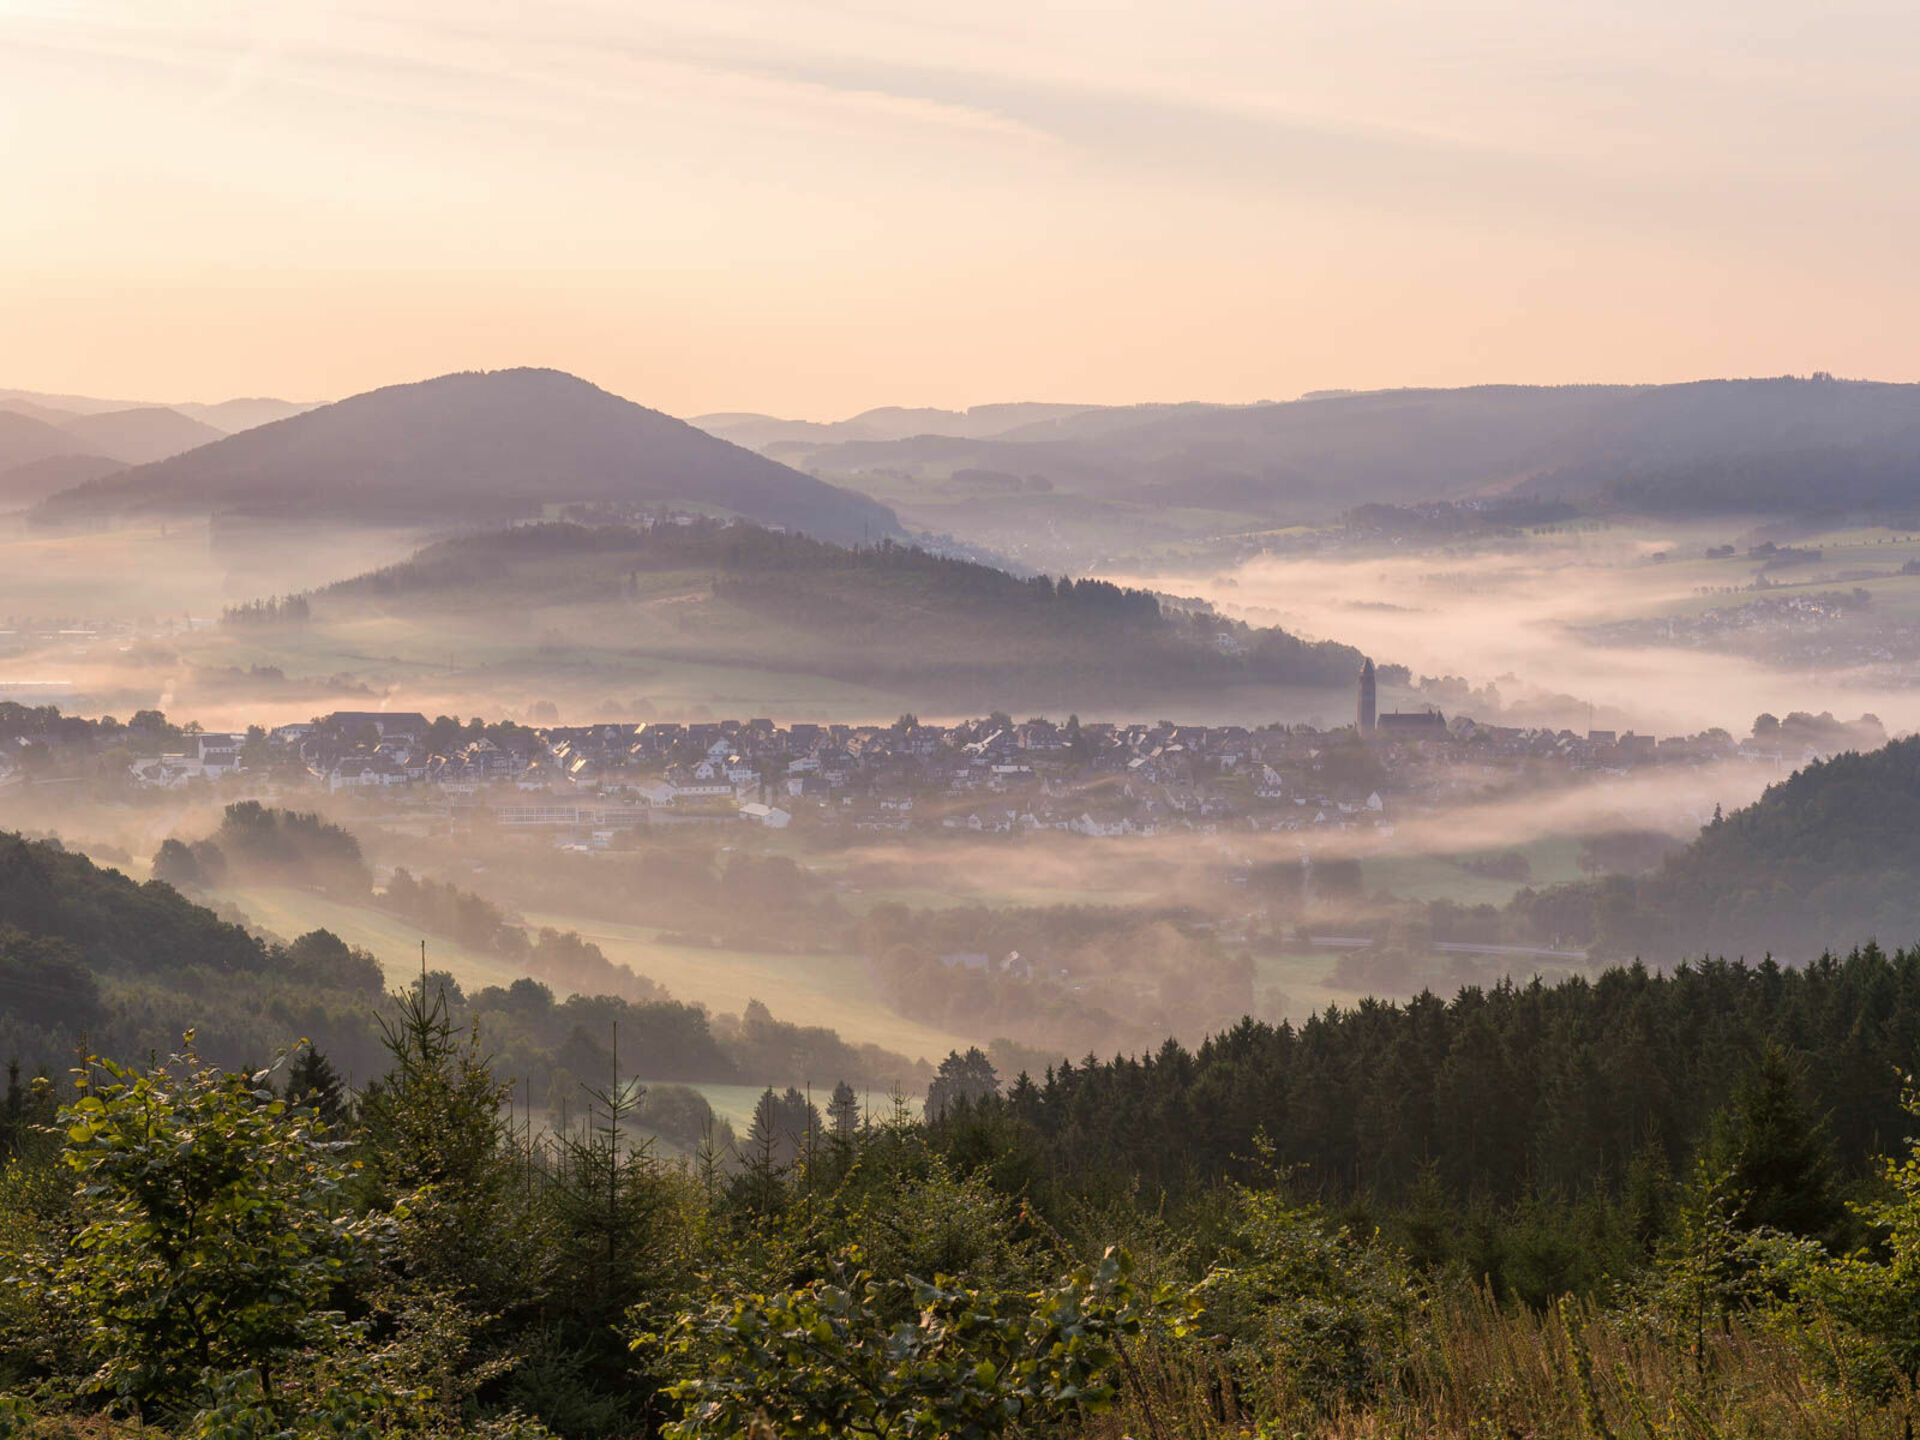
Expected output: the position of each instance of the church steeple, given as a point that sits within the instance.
(1369, 706)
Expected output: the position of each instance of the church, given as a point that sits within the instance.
(1395, 725)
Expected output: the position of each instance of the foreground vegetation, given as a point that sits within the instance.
(208, 1252)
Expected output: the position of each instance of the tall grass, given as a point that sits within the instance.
(1479, 1370)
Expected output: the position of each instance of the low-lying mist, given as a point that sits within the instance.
(1510, 614)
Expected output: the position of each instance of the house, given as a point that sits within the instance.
(365, 772)
(218, 754)
(166, 772)
(770, 816)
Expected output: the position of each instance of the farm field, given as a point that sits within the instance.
(1295, 985)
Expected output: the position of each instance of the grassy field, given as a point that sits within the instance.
(1552, 860)
(290, 912)
(734, 1103)
(1295, 985)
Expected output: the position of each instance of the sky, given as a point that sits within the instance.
(810, 208)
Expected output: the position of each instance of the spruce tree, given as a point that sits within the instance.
(843, 1111)
(1780, 1163)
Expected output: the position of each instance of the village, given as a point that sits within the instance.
(587, 784)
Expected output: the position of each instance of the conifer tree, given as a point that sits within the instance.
(1779, 1160)
(843, 1111)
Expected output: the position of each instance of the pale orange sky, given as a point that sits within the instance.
(809, 208)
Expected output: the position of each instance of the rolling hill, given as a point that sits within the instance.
(472, 448)
(737, 599)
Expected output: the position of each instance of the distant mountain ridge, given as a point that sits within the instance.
(887, 422)
(141, 435)
(1770, 445)
(50, 443)
(226, 416)
(470, 448)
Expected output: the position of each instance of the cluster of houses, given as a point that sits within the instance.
(587, 783)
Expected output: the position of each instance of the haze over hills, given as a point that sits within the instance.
(34, 480)
(887, 422)
(472, 447)
(244, 412)
(741, 596)
(138, 436)
(27, 438)
(49, 443)
(131, 437)
(1824, 860)
(226, 416)
(679, 618)
(1088, 478)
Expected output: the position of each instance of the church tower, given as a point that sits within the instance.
(1368, 701)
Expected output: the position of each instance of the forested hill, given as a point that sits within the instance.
(1829, 856)
(109, 921)
(466, 447)
(884, 611)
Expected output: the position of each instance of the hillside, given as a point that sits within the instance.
(111, 922)
(735, 595)
(1827, 858)
(473, 447)
(1106, 477)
